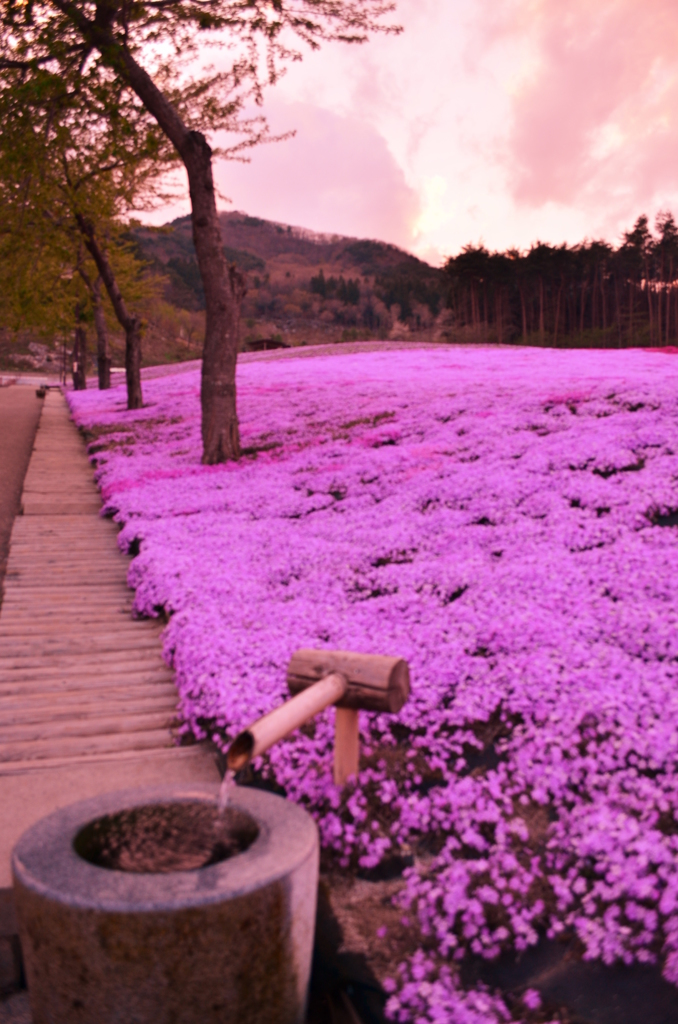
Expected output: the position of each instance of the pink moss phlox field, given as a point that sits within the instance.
(502, 520)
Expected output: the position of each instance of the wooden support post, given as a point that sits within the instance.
(346, 745)
(317, 679)
(285, 719)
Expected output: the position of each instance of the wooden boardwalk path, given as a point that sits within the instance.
(87, 703)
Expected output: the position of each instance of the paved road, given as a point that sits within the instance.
(19, 415)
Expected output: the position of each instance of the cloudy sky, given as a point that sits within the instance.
(501, 121)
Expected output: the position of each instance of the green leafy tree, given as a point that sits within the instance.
(69, 171)
(137, 50)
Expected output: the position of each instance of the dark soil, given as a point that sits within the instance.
(162, 838)
(19, 415)
(578, 991)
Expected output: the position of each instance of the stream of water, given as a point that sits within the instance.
(228, 783)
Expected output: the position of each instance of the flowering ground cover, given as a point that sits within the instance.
(506, 521)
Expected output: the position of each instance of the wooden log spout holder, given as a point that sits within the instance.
(317, 679)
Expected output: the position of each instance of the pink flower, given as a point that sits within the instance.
(445, 507)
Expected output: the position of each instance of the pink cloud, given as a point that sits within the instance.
(595, 113)
(335, 175)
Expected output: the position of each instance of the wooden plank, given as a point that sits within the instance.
(60, 645)
(76, 746)
(53, 508)
(186, 754)
(127, 633)
(40, 478)
(64, 711)
(67, 550)
(55, 573)
(69, 571)
(42, 731)
(88, 531)
(26, 596)
(48, 528)
(52, 530)
(66, 492)
(46, 583)
(20, 588)
(74, 670)
(21, 598)
(46, 524)
(73, 678)
(25, 706)
(68, 561)
(52, 640)
(119, 693)
(86, 607)
(41, 483)
(79, 669)
(62, 633)
(21, 585)
(45, 599)
(155, 675)
(84, 601)
(89, 538)
(86, 618)
(110, 671)
(84, 686)
(126, 629)
(67, 544)
(98, 662)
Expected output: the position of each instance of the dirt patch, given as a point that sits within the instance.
(19, 416)
(371, 925)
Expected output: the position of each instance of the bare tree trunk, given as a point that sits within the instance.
(541, 309)
(499, 316)
(649, 302)
(669, 289)
(103, 360)
(524, 314)
(224, 289)
(130, 324)
(80, 351)
(224, 286)
(486, 314)
(618, 306)
(556, 320)
(594, 297)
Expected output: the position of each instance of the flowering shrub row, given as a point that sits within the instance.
(502, 520)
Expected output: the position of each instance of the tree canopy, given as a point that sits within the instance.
(69, 171)
(139, 57)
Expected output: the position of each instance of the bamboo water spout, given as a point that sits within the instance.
(279, 723)
(316, 680)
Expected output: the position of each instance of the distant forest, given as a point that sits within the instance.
(307, 289)
(589, 294)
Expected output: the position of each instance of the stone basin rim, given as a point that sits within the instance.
(44, 859)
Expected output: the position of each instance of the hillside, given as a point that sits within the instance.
(303, 289)
(302, 286)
